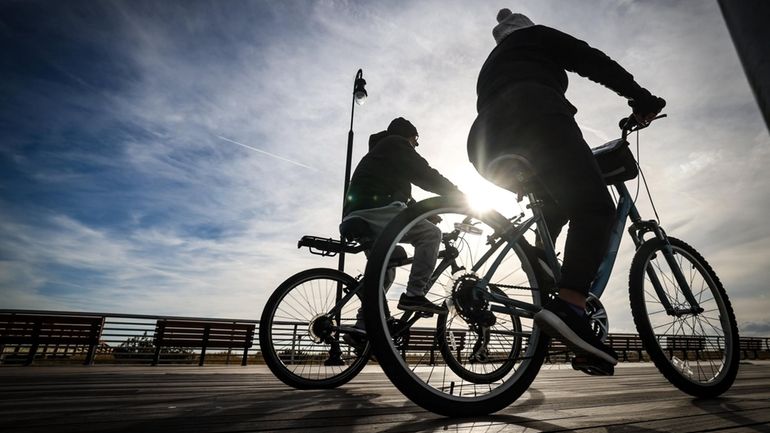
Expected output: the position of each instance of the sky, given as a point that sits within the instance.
(165, 157)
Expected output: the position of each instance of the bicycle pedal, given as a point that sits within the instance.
(593, 366)
(423, 314)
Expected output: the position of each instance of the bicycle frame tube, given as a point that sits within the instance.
(340, 303)
(510, 237)
(625, 209)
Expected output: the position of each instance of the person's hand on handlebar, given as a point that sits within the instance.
(646, 107)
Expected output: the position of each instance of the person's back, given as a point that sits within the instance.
(536, 58)
(386, 174)
(522, 111)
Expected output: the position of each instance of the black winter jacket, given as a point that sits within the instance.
(542, 54)
(387, 172)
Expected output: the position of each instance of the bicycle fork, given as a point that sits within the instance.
(637, 231)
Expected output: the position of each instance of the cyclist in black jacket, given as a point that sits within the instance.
(381, 187)
(522, 111)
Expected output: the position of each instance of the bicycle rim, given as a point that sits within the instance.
(421, 372)
(698, 353)
(292, 331)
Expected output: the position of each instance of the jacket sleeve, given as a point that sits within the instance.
(577, 56)
(422, 174)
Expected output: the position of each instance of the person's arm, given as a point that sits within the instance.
(577, 56)
(421, 173)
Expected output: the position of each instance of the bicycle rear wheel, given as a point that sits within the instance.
(697, 352)
(297, 335)
(442, 377)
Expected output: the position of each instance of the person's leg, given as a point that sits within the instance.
(426, 239)
(569, 172)
(571, 176)
(377, 219)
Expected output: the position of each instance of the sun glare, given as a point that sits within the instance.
(483, 195)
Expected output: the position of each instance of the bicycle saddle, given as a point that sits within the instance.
(355, 229)
(512, 172)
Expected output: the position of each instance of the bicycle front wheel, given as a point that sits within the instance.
(698, 352)
(298, 336)
(482, 354)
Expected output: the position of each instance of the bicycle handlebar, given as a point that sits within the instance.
(630, 124)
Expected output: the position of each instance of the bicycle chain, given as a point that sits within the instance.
(508, 286)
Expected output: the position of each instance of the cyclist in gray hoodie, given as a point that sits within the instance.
(381, 187)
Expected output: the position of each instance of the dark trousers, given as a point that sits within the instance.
(537, 123)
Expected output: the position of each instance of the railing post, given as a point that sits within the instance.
(247, 344)
(206, 332)
(159, 332)
(293, 343)
(35, 343)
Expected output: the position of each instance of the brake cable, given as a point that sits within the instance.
(644, 180)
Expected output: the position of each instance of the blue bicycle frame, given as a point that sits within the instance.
(639, 228)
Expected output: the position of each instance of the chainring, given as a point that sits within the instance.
(597, 316)
(474, 310)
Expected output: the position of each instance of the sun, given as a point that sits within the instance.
(483, 195)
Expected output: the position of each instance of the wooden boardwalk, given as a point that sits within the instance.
(248, 399)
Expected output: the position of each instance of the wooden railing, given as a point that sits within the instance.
(132, 339)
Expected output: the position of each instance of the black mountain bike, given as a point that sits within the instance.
(304, 321)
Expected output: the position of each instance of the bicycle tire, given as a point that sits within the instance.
(444, 393)
(665, 336)
(304, 368)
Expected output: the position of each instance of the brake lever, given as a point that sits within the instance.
(648, 123)
(637, 126)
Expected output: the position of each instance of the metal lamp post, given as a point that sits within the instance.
(359, 97)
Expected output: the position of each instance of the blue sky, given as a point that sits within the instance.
(164, 157)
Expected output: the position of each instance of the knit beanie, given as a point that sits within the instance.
(509, 22)
(402, 127)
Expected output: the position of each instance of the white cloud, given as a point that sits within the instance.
(278, 77)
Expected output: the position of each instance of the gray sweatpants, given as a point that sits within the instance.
(424, 236)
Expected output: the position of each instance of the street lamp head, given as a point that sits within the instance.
(359, 90)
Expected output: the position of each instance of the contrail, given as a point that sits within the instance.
(594, 131)
(267, 153)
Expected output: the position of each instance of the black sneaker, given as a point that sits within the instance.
(419, 303)
(356, 341)
(593, 366)
(559, 320)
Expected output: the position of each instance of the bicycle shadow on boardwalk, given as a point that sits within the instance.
(731, 410)
(487, 424)
(502, 422)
